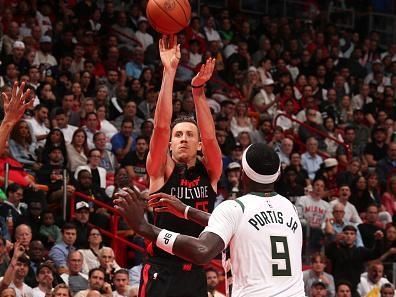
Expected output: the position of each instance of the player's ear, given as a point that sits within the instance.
(199, 148)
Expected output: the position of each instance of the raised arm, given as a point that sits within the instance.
(158, 153)
(14, 108)
(210, 148)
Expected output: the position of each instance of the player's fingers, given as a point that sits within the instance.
(161, 209)
(20, 91)
(5, 98)
(25, 95)
(159, 195)
(14, 90)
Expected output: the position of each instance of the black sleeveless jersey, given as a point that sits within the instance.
(193, 187)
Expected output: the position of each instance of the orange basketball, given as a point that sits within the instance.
(168, 16)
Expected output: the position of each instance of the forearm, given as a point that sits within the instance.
(5, 130)
(9, 274)
(186, 247)
(164, 108)
(198, 216)
(205, 124)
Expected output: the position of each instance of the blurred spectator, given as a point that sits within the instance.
(48, 229)
(386, 166)
(135, 161)
(318, 289)
(74, 278)
(288, 186)
(212, 277)
(317, 274)
(370, 226)
(122, 142)
(23, 145)
(61, 250)
(350, 212)
(313, 212)
(347, 260)
(344, 289)
(389, 250)
(45, 278)
(98, 173)
(310, 160)
(265, 101)
(90, 255)
(107, 263)
(387, 290)
(44, 56)
(95, 282)
(77, 150)
(388, 198)
(377, 149)
(36, 253)
(13, 207)
(336, 224)
(121, 283)
(81, 219)
(108, 160)
(372, 280)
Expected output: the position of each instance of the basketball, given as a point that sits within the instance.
(168, 16)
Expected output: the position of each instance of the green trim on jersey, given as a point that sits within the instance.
(266, 194)
(240, 204)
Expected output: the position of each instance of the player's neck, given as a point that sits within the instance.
(262, 190)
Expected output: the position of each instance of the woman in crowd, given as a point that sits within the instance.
(98, 173)
(240, 122)
(332, 131)
(102, 96)
(77, 150)
(105, 126)
(90, 254)
(54, 139)
(87, 84)
(23, 145)
(360, 195)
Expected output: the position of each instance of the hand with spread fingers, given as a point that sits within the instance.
(162, 202)
(132, 207)
(15, 107)
(204, 73)
(169, 52)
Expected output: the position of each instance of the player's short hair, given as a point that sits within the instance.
(183, 119)
(261, 163)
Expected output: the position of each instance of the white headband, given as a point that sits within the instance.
(253, 175)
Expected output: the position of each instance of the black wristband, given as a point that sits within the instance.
(197, 87)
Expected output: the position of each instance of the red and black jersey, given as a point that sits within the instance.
(193, 187)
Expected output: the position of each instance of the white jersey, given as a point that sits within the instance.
(265, 238)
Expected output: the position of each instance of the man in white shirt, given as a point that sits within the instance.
(372, 280)
(61, 121)
(351, 214)
(144, 38)
(38, 124)
(262, 228)
(43, 56)
(212, 277)
(44, 277)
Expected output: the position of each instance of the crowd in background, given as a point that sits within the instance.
(322, 97)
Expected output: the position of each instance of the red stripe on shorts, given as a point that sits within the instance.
(146, 269)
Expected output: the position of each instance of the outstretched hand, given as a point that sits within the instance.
(15, 107)
(131, 206)
(204, 73)
(162, 202)
(169, 52)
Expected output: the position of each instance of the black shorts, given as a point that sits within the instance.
(164, 278)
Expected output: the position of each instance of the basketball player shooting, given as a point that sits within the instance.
(174, 168)
(261, 227)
